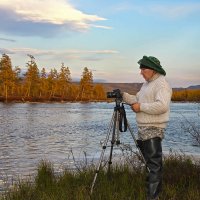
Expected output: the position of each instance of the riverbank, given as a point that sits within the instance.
(181, 180)
(51, 100)
(71, 101)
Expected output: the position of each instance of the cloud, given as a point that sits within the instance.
(73, 54)
(23, 51)
(46, 17)
(6, 51)
(7, 40)
(44, 52)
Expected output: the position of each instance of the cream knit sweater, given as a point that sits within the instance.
(154, 98)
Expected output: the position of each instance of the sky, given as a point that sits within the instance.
(106, 36)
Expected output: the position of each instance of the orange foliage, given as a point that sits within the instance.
(186, 95)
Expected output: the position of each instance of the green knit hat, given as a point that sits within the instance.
(152, 63)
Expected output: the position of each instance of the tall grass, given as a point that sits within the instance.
(181, 181)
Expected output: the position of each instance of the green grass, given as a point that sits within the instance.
(181, 181)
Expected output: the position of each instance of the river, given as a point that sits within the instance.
(31, 132)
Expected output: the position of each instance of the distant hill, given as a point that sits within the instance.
(133, 88)
(192, 87)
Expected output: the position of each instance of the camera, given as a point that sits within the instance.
(115, 94)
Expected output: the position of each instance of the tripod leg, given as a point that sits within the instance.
(116, 124)
(117, 129)
(102, 152)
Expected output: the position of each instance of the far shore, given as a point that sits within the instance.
(57, 100)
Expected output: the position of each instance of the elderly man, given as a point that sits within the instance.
(152, 106)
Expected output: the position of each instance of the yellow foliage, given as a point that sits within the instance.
(186, 95)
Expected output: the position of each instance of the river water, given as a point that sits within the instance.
(31, 132)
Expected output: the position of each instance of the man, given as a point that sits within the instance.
(152, 106)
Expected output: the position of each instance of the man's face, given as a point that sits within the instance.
(147, 73)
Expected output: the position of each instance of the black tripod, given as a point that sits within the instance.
(119, 116)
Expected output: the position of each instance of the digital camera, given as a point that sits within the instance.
(115, 94)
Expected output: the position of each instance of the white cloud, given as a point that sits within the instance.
(40, 52)
(57, 12)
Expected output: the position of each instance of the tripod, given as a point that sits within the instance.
(119, 115)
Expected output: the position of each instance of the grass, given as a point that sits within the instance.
(181, 181)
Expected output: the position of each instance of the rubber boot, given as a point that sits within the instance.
(141, 146)
(153, 157)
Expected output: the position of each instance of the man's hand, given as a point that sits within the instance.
(136, 107)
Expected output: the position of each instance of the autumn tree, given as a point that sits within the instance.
(7, 76)
(186, 95)
(86, 85)
(52, 82)
(74, 90)
(43, 83)
(64, 81)
(31, 80)
(17, 89)
(99, 92)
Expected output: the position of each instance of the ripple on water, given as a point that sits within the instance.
(33, 132)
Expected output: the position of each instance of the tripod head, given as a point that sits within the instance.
(119, 108)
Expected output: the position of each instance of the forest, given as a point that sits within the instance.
(40, 86)
(186, 95)
(57, 85)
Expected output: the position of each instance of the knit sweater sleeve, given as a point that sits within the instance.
(161, 103)
(129, 99)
